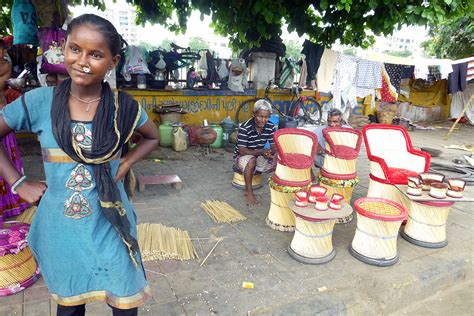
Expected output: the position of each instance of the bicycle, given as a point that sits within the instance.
(305, 110)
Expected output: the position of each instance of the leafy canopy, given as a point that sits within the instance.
(451, 39)
(248, 23)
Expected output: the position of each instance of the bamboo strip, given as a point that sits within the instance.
(222, 212)
(159, 242)
(17, 268)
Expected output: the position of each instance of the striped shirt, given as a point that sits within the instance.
(249, 137)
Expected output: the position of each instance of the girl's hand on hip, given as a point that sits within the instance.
(122, 169)
(31, 192)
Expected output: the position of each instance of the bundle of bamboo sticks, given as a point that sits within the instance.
(222, 212)
(159, 242)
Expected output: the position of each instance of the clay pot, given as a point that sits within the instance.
(206, 135)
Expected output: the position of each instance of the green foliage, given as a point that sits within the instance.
(351, 51)
(398, 53)
(5, 21)
(198, 43)
(451, 39)
(248, 23)
(293, 50)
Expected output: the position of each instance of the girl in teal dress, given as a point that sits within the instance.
(84, 233)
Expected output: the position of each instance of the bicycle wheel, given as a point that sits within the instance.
(312, 113)
(242, 105)
(250, 103)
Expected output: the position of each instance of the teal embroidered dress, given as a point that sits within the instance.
(81, 256)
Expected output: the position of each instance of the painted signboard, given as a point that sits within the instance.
(216, 105)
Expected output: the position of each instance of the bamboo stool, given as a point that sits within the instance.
(239, 182)
(18, 268)
(375, 239)
(280, 217)
(312, 241)
(426, 224)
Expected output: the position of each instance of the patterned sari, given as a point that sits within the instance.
(11, 204)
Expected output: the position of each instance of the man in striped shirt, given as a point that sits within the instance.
(250, 155)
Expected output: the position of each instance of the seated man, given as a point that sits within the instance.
(250, 155)
(334, 120)
(52, 80)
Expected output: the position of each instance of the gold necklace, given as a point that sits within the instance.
(84, 101)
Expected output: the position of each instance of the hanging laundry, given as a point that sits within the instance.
(313, 53)
(368, 78)
(287, 74)
(304, 72)
(445, 68)
(459, 100)
(408, 72)
(211, 69)
(391, 77)
(426, 94)
(457, 79)
(470, 71)
(326, 70)
(434, 73)
(343, 89)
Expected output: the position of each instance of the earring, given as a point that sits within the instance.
(107, 75)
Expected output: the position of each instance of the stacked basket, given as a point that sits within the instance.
(339, 171)
(18, 268)
(296, 149)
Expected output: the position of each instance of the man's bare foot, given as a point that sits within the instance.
(251, 199)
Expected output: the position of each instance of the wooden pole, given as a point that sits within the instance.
(459, 117)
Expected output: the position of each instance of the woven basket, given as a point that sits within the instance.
(385, 117)
(378, 222)
(427, 223)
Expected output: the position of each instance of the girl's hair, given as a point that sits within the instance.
(108, 30)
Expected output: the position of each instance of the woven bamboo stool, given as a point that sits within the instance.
(312, 241)
(426, 224)
(375, 239)
(280, 217)
(18, 268)
(239, 182)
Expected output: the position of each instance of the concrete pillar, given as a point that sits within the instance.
(262, 68)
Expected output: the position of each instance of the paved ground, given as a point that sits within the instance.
(253, 252)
